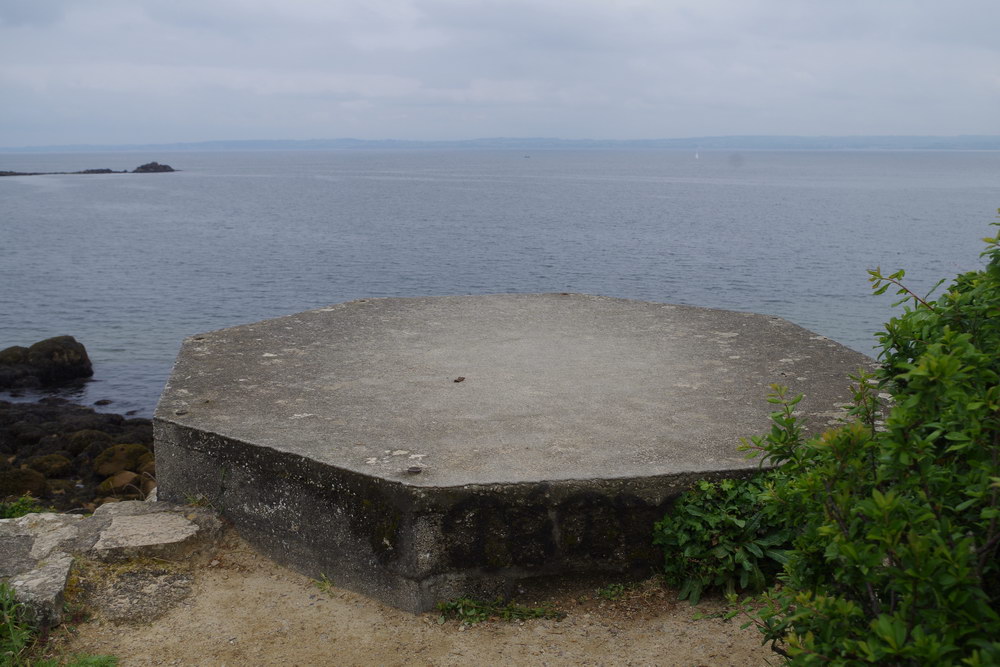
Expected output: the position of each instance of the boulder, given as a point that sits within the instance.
(59, 359)
(120, 482)
(14, 356)
(51, 465)
(120, 457)
(20, 481)
(49, 361)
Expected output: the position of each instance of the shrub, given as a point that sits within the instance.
(894, 556)
(720, 535)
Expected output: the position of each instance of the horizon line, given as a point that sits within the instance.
(704, 142)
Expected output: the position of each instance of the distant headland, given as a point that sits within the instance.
(148, 168)
(729, 143)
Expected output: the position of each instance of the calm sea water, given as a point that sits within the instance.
(131, 264)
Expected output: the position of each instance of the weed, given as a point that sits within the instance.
(470, 611)
(13, 509)
(196, 500)
(16, 634)
(323, 584)
(614, 591)
(79, 661)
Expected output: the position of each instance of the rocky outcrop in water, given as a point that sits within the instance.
(50, 361)
(152, 168)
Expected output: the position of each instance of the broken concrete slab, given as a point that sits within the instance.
(151, 530)
(420, 449)
(37, 550)
(41, 589)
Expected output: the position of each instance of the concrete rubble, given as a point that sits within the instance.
(37, 551)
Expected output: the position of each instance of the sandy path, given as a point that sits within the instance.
(244, 610)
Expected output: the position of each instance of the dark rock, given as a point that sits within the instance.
(49, 361)
(103, 401)
(14, 356)
(21, 481)
(136, 430)
(152, 168)
(59, 359)
(49, 448)
(79, 441)
(50, 444)
(25, 435)
(51, 465)
(119, 457)
(90, 420)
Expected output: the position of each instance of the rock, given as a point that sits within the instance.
(21, 481)
(152, 168)
(37, 439)
(51, 465)
(116, 458)
(42, 590)
(14, 356)
(119, 482)
(147, 466)
(37, 553)
(59, 359)
(148, 487)
(88, 440)
(32, 559)
(49, 361)
(141, 595)
(161, 536)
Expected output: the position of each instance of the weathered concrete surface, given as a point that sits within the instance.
(37, 551)
(340, 441)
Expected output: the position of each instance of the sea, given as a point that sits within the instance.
(131, 264)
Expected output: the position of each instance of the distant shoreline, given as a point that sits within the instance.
(148, 168)
(58, 173)
(744, 142)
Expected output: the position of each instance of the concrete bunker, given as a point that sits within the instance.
(420, 449)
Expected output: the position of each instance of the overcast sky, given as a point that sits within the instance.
(152, 71)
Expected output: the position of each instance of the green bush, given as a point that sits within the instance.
(894, 557)
(720, 535)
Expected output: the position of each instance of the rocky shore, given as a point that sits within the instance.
(73, 458)
(68, 456)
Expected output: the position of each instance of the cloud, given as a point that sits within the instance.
(406, 68)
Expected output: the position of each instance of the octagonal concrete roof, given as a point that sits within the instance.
(459, 390)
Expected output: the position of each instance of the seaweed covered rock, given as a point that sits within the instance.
(62, 453)
(117, 458)
(50, 361)
(20, 481)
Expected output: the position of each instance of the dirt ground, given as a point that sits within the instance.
(237, 608)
